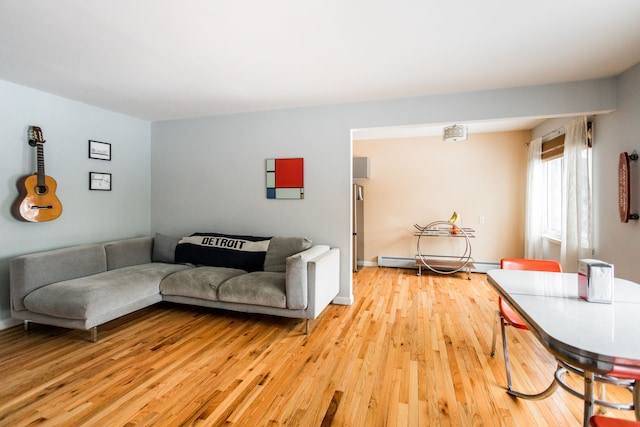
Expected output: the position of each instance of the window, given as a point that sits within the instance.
(552, 166)
(559, 199)
(552, 171)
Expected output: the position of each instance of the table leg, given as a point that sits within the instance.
(588, 397)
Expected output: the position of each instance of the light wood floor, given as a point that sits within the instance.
(411, 351)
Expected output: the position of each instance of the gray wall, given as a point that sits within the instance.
(88, 216)
(208, 173)
(619, 131)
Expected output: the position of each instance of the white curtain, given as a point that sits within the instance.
(534, 200)
(576, 197)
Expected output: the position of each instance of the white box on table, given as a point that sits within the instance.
(595, 281)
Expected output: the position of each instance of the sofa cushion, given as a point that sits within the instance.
(124, 253)
(282, 247)
(164, 248)
(199, 282)
(94, 295)
(221, 250)
(258, 288)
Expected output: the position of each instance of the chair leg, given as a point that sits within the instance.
(495, 332)
(603, 396)
(500, 320)
(636, 399)
(506, 353)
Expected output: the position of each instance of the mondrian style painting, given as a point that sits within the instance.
(285, 178)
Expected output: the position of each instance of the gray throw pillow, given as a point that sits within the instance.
(164, 248)
(282, 247)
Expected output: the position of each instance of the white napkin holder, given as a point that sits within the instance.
(595, 281)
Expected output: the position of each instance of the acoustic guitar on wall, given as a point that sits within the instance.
(37, 201)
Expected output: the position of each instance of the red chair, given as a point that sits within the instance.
(505, 314)
(600, 421)
(632, 376)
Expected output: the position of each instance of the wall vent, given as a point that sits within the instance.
(361, 168)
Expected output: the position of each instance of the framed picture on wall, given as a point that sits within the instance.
(100, 181)
(285, 178)
(99, 150)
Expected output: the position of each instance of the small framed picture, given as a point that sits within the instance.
(99, 150)
(100, 181)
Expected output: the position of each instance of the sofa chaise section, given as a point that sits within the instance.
(84, 286)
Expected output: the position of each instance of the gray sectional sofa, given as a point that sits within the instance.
(84, 286)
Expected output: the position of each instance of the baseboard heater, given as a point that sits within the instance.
(400, 262)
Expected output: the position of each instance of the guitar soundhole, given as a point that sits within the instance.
(41, 189)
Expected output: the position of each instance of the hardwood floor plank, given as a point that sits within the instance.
(410, 351)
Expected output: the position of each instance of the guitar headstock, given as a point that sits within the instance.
(35, 136)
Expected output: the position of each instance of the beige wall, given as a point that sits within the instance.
(423, 179)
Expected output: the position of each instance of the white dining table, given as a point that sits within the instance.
(591, 337)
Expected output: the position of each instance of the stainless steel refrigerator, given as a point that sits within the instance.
(358, 226)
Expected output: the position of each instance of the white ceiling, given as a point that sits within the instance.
(163, 59)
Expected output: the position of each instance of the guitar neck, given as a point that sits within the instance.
(41, 175)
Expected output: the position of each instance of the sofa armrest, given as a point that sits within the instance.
(297, 276)
(324, 281)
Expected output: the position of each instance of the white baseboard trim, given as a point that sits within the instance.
(394, 261)
(9, 323)
(343, 300)
(367, 264)
(402, 262)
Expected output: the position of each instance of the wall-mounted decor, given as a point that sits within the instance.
(624, 187)
(37, 201)
(285, 178)
(99, 150)
(100, 181)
